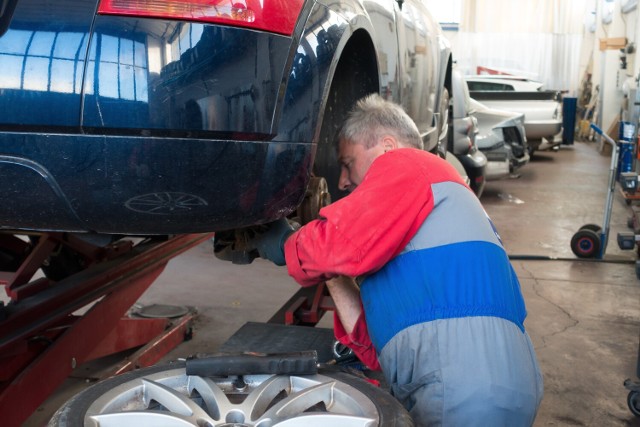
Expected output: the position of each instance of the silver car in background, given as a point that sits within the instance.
(502, 138)
(542, 109)
(462, 142)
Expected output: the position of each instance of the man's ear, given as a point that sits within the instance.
(389, 143)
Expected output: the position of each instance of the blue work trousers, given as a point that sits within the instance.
(470, 371)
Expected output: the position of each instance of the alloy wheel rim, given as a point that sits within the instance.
(172, 398)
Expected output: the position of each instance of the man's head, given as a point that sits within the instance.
(373, 127)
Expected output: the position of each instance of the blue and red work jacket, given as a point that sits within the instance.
(422, 243)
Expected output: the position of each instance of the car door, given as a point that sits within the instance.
(418, 66)
(382, 13)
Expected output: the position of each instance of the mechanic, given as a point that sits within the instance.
(437, 303)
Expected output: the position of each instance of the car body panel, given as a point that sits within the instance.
(465, 131)
(497, 166)
(42, 58)
(409, 45)
(164, 75)
(502, 138)
(418, 44)
(150, 184)
(163, 126)
(542, 109)
(543, 118)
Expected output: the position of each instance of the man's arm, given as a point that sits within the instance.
(346, 297)
(361, 232)
(350, 327)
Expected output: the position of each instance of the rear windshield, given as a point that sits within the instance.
(489, 86)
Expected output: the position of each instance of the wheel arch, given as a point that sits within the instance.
(354, 75)
(356, 53)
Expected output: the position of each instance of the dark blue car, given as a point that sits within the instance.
(162, 117)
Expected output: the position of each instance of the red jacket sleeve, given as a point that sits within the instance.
(358, 341)
(360, 233)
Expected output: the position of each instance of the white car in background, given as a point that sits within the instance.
(502, 82)
(502, 139)
(542, 109)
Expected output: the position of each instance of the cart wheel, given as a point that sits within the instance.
(165, 395)
(585, 243)
(593, 227)
(633, 400)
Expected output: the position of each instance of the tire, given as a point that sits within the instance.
(593, 227)
(355, 77)
(166, 391)
(633, 401)
(585, 243)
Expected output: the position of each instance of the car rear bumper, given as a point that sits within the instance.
(497, 164)
(542, 129)
(497, 170)
(147, 185)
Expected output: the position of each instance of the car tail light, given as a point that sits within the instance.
(277, 16)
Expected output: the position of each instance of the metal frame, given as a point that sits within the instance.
(42, 338)
(306, 307)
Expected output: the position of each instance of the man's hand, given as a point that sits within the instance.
(270, 244)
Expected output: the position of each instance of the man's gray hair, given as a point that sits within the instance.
(372, 117)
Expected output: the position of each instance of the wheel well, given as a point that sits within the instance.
(355, 76)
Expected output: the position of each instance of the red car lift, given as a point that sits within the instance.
(42, 336)
(306, 307)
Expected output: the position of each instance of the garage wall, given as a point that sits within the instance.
(555, 41)
(541, 39)
(613, 20)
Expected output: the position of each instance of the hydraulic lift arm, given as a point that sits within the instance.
(42, 339)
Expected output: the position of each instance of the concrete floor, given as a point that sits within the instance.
(584, 317)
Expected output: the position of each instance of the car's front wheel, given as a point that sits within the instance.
(165, 395)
